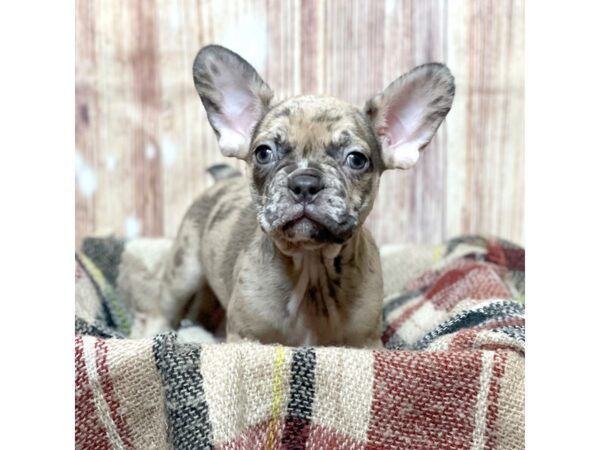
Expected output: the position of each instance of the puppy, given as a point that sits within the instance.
(283, 250)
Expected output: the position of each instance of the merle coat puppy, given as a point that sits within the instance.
(283, 250)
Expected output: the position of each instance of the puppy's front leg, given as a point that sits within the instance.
(182, 274)
(235, 321)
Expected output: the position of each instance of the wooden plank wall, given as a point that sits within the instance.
(143, 142)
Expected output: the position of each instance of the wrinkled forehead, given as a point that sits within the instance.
(311, 124)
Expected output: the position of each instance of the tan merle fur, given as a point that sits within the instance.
(288, 269)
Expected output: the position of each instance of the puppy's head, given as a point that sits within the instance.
(315, 162)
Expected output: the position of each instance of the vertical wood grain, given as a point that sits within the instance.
(143, 142)
(86, 101)
(146, 67)
(485, 172)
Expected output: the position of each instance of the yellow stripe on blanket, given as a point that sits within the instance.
(106, 291)
(277, 396)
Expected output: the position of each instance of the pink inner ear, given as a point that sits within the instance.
(237, 109)
(405, 129)
(237, 117)
(239, 113)
(405, 115)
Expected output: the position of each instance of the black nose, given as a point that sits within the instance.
(305, 186)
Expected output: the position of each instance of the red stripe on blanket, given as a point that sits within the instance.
(295, 433)
(259, 435)
(393, 327)
(109, 393)
(424, 400)
(511, 258)
(476, 281)
(467, 280)
(317, 436)
(322, 437)
(427, 278)
(493, 395)
(463, 340)
(89, 433)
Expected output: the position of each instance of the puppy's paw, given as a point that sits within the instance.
(147, 326)
(195, 334)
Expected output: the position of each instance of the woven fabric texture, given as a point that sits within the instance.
(451, 375)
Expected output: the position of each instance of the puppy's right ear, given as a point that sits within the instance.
(234, 96)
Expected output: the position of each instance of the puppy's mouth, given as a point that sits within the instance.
(304, 225)
(307, 225)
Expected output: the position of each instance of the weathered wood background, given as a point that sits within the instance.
(143, 142)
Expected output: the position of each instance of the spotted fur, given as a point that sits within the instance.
(290, 269)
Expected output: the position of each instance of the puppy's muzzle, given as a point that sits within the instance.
(305, 185)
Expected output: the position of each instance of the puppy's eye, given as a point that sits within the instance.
(356, 161)
(263, 154)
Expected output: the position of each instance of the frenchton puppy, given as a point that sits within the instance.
(283, 250)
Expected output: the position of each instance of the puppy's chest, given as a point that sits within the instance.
(315, 310)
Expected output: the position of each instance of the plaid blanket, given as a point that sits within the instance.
(451, 376)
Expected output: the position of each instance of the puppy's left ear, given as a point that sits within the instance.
(409, 111)
(234, 95)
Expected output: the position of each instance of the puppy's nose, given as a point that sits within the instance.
(305, 186)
